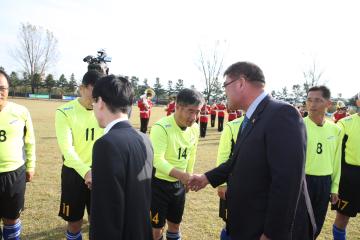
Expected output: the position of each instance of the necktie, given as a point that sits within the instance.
(244, 123)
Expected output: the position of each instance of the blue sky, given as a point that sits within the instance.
(161, 38)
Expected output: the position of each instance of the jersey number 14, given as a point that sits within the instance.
(182, 153)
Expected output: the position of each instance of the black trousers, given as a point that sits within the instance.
(319, 188)
(144, 124)
(213, 117)
(203, 127)
(220, 124)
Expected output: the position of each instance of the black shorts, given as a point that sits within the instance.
(349, 194)
(75, 195)
(167, 202)
(12, 193)
(223, 209)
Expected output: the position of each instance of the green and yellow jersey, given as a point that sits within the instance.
(323, 151)
(173, 147)
(350, 127)
(17, 139)
(228, 140)
(76, 131)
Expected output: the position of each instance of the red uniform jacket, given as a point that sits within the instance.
(232, 115)
(204, 113)
(338, 116)
(221, 109)
(145, 111)
(170, 108)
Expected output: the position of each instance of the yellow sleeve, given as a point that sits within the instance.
(191, 163)
(65, 142)
(335, 178)
(29, 141)
(158, 137)
(224, 149)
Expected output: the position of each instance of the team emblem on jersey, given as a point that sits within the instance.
(68, 108)
(13, 121)
(331, 138)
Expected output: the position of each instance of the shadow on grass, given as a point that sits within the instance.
(53, 234)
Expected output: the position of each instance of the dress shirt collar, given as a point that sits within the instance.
(111, 124)
(254, 104)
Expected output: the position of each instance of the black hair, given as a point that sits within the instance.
(325, 91)
(248, 70)
(116, 92)
(6, 76)
(189, 97)
(91, 77)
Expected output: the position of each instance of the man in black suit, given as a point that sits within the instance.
(122, 167)
(266, 196)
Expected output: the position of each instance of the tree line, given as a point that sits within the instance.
(24, 84)
(37, 51)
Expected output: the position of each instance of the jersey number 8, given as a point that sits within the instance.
(2, 135)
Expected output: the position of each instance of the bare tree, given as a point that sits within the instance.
(312, 77)
(36, 51)
(211, 64)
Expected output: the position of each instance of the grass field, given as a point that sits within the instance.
(40, 220)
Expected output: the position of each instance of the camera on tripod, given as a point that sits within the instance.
(98, 63)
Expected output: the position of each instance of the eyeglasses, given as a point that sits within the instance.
(228, 83)
(3, 89)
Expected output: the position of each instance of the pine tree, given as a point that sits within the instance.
(170, 89)
(179, 85)
(72, 84)
(158, 89)
(62, 83)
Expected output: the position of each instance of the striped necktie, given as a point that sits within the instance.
(245, 123)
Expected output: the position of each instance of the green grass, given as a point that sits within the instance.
(40, 220)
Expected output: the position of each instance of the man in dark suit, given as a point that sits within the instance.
(122, 167)
(265, 176)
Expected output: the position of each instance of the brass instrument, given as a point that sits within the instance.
(149, 93)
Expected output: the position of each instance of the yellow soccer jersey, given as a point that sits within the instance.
(17, 139)
(350, 127)
(227, 140)
(76, 131)
(173, 147)
(323, 151)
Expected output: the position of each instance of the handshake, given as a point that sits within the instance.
(194, 182)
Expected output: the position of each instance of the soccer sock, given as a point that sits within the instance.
(12, 231)
(224, 235)
(73, 236)
(338, 233)
(173, 236)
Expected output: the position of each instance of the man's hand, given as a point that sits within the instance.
(334, 197)
(263, 237)
(88, 179)
(198, 182)
(222, 192)
(29, 175)
(183, 177)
